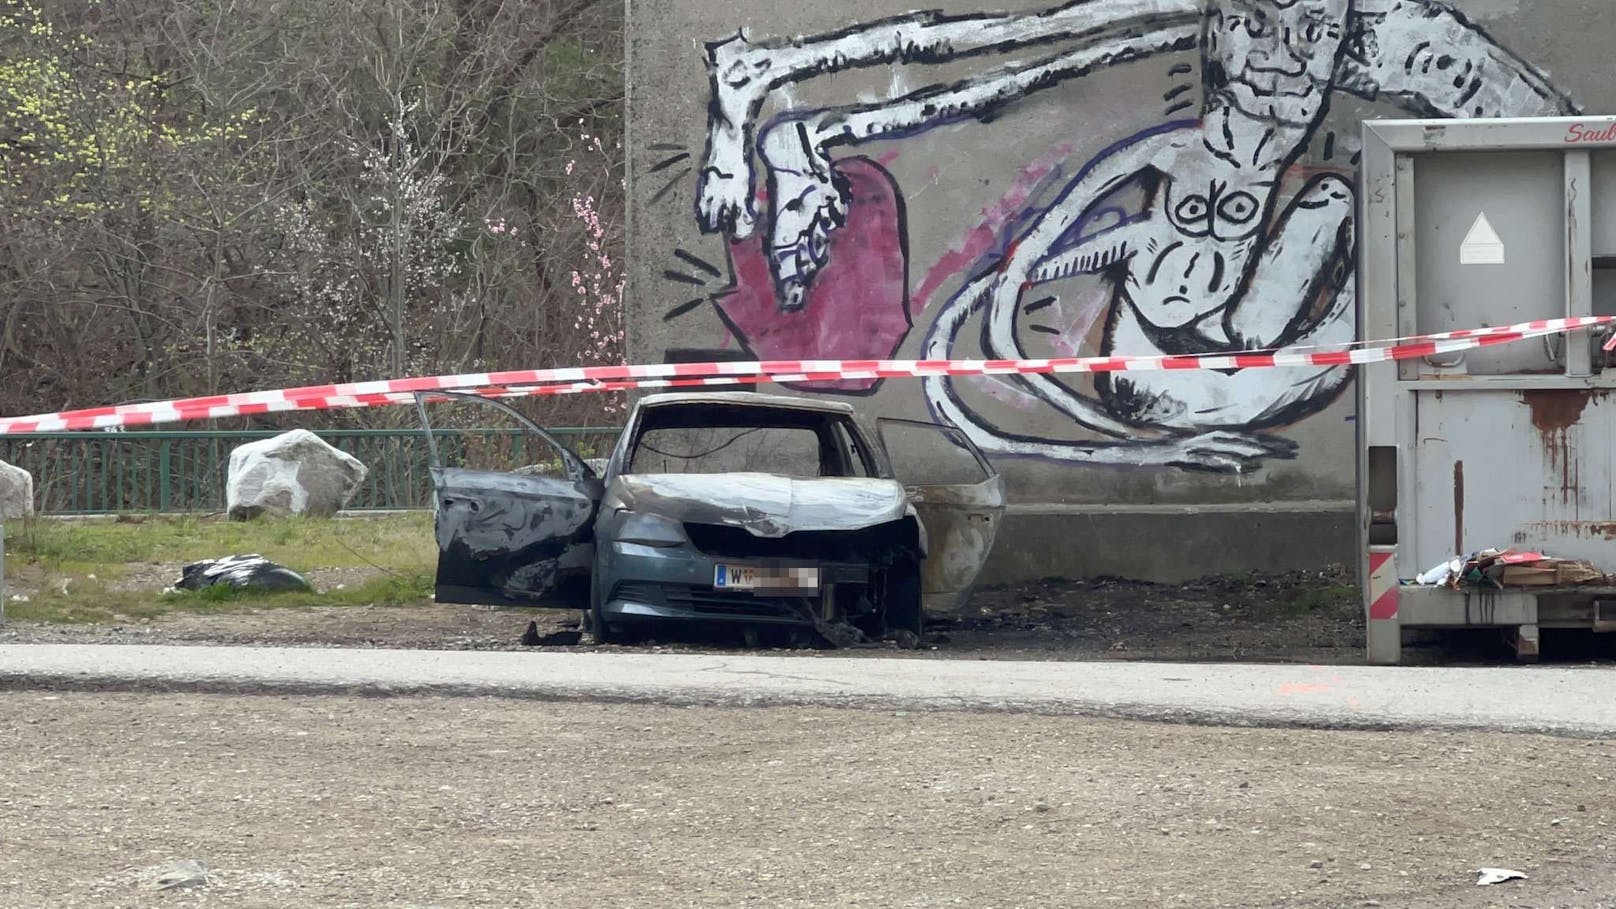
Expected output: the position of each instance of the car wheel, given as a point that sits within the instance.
(595, 625)
(902, 611)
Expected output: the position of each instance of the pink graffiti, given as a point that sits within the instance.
(985, 234)
(858, 304)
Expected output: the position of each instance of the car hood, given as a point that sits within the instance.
(768, 505)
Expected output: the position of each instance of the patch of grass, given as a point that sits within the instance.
(109, 571)
(1326, 599)
(1318, 599)
(392, 541)
(92, 603)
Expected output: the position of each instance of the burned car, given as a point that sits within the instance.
(737, 507)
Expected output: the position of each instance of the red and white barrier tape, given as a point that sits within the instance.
(576, 380)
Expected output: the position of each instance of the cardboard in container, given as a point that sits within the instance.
(1528, 576)
(1549, 573)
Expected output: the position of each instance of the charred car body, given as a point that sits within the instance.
(725, 506)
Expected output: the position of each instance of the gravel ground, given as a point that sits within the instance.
(329, 801)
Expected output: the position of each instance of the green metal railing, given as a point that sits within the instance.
(112, 472)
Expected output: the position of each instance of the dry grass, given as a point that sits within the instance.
(116, 570)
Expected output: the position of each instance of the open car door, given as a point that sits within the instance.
(959, 498)
(509, 534)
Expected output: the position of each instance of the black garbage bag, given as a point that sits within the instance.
(240, 571)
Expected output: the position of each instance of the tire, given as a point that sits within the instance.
(595, 625)
(901, 610)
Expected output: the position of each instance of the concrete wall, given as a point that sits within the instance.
(1119, 176)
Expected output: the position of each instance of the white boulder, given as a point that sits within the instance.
(294, 473)
(16, 492)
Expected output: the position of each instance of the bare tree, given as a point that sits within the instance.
(241, 195)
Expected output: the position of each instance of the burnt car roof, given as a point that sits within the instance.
(744, 398)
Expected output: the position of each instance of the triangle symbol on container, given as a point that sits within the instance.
(1482, 245)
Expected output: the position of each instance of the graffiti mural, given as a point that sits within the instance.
(1214, 250)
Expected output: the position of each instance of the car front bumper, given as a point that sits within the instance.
(655, 584)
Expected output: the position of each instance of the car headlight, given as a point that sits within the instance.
(651, 530)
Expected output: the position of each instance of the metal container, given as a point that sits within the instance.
(1466, 224)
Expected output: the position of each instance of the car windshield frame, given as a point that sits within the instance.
(859, 445)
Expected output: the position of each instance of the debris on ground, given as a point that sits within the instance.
(240, 572)
(564, 638)
(179, 875)
(1311, 616)
(1497, 876)
(905, 639)
(840, 634)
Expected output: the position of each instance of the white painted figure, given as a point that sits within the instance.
(1218, 261)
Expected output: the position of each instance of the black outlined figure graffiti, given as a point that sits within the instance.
(1215, 262)
(805, 202)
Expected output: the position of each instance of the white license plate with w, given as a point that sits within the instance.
(766, 578)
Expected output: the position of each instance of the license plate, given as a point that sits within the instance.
(766, 578)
